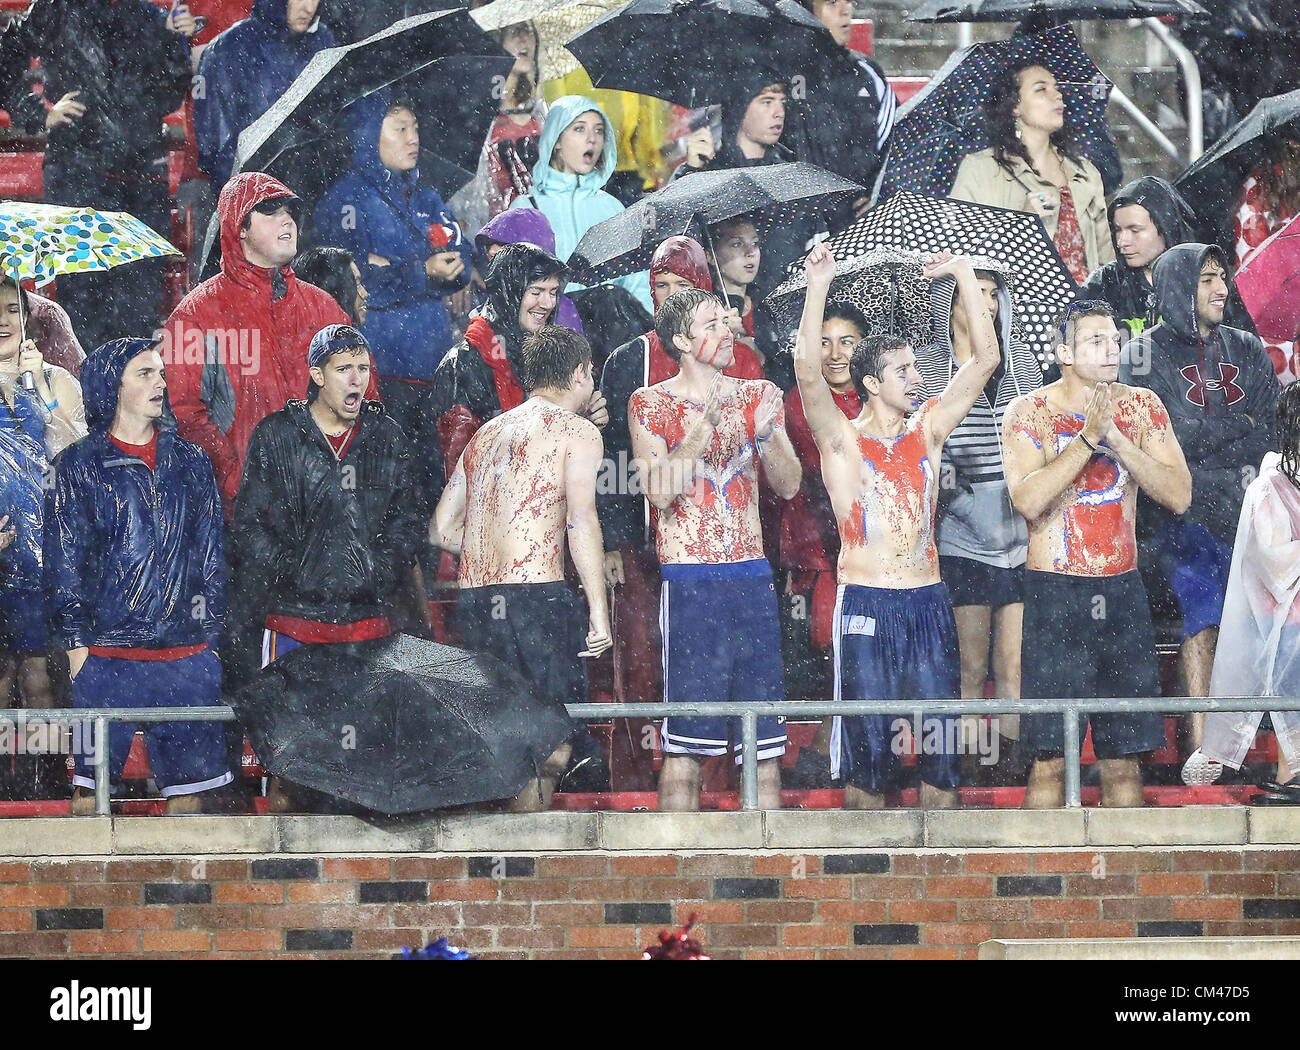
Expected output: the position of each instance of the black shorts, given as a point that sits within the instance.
(972, 582)
(536, 628)
(1089, 636)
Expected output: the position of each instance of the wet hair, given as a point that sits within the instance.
(1067, 321)
(550, 357)
(330, 269)
(400, 104)
(869, 359)
(1000, 118)
(675, 315)
(1288, 431)
(847, 312)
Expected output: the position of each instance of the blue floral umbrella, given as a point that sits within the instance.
(944, 121)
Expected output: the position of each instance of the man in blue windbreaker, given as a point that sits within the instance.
(408, 247)
(245, 69)
(134, 575)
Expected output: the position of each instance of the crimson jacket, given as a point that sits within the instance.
(236, 347)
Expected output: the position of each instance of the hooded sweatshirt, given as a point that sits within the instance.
(573, 204)
(525, 225)
(243, 71)
(979, 521)
(1125, 287)
(644, 362)
(1209, 386)
(376, 210)
(133, 556)
(479, 378)
(236, 347)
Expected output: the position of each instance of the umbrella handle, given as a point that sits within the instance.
(707, 238)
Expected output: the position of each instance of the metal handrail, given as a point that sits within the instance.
(747, 711)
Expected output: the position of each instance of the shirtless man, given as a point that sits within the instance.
(894, 634)
(1076, 453)
(527, 479)
(697, 439)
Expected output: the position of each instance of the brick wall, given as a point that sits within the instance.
(864, 905)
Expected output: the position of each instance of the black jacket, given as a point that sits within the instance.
(1207, 406)
(1123, 286)
(320, 538)
(130, 69)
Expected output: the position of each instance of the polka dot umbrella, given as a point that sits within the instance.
(944, 121)
(911, 223)
(38, 242)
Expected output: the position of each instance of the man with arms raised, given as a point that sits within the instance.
(893, 630)
(525, 481)
(698, 438)
(1076, 453)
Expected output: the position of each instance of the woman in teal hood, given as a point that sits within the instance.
(578, 154)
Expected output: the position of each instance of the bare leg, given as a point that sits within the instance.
(280, 797)
(179, 805)
(83, 802)
(37, 692)
(1284, 771)
(973, 623)
(939, 798)
(821, 743)
(1121, 782)
(1007, 627)
(857, 798)
(1195, 663)
(1046, 788)
(769, 784)
(679, 784)
(537, 793)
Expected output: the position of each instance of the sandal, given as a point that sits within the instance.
(1200, 770)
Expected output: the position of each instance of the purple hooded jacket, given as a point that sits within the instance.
(527, 226)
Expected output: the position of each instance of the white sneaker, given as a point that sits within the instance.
(1200, 769)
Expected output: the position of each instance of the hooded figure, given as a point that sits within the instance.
(979, 522)
(479, 379)
(378, 210)
(1125, 288)
(236, 347)
(135, 576)
(525, 225)
(573, 203)
(243, 72)
(129, 550)
(1219, 390)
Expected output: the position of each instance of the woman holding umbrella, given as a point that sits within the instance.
(1031, 166)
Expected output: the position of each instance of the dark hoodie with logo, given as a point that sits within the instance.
(1125, 287)
(376, 210)
(133, 556)
(242, 73)
(479, 379)
(1209, 387)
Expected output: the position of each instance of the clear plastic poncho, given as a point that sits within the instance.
(1258, 652)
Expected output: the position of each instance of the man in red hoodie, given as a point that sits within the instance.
(630, 561)
(235, 348)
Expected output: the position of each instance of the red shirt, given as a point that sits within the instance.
(147, 452)
(342, 442)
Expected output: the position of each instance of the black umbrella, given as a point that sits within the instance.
(909, 222)
(1062, 10)
(399, 725)
(692, 51)
(773, 196)
(1211, 184)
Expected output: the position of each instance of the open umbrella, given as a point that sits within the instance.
(399, 725)
(912, 223)
(38, 242)
(1269, 284)
(944, 121)
(1211, 184)
(1065, 10)
(887, 286)
(773, 195)
(691, 51)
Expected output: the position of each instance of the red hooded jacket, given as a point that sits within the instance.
(234, 351)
